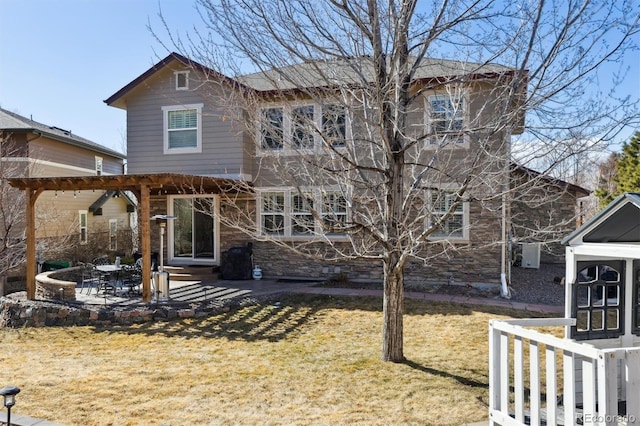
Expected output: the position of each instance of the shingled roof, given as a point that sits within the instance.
(318, 73)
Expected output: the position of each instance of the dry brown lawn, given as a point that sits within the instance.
(306, 360)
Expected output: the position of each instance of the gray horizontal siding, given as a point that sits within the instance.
(222, 149)
(53, 151)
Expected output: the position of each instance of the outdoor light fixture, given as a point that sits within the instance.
(9, 393)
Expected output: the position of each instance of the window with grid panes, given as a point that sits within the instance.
(302, 127)
(440, 203)
(302, 221)
(334, 211)
(273, 213)
(334, 125)
(446, 119)
(272, 128)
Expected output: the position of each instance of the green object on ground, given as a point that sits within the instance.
(53, 265)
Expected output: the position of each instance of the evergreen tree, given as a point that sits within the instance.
(628, 165)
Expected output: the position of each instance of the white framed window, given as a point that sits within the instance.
(439, 203)
(113, 234)
(288, 213)
(301, 126)
(182, 80)
(98, 166)
(182, 129)
(334, 211)
(302, 221)
(446, 119)
(82, 220)
(272, 212)
(272, 129)
(334, 125)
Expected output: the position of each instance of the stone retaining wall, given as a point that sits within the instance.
(51, 285)
(16, 311)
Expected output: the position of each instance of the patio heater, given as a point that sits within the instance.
(161, 278)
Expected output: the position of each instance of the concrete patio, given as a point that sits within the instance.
(193, 291)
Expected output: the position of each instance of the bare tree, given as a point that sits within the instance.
(363, 165)
(13, 247)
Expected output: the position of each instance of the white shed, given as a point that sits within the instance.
(599, 357)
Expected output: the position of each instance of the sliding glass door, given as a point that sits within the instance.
(193, 233)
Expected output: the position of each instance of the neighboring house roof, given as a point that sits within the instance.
(106, 196)
(313, 74)
(616, 223)
(530, 173)
(12, 122)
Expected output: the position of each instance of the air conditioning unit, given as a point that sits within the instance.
(531, 255)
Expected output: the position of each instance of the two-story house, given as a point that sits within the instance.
(31, 149)
(183, 117)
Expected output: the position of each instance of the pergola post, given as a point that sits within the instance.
(145, 239)
(31, 195)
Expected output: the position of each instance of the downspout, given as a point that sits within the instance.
(505, 269)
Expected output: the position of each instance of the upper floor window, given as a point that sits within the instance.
(98, 166)
(302, 127)
(334, 127)
(446, 115)
(182, 129)
(182, 80)
(440, 204)
(289, 213)
(272, 128)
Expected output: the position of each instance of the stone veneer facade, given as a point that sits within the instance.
(475, 261)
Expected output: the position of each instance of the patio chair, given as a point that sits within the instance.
(105, 280)
(131, 277)
(89, 278)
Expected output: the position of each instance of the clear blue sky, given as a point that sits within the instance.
(59, 59)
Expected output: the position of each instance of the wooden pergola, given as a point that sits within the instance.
(141, 185)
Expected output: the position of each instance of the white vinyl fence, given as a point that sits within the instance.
(524, 385)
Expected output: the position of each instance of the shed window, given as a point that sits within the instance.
(598, 301)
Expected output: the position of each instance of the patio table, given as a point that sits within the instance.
(110, 271)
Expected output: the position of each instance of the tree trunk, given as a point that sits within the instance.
(393, 309)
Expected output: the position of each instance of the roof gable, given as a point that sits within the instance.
(117, 99)
(619, 222)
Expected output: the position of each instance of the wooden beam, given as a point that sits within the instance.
(145, 241)
(30, 200)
